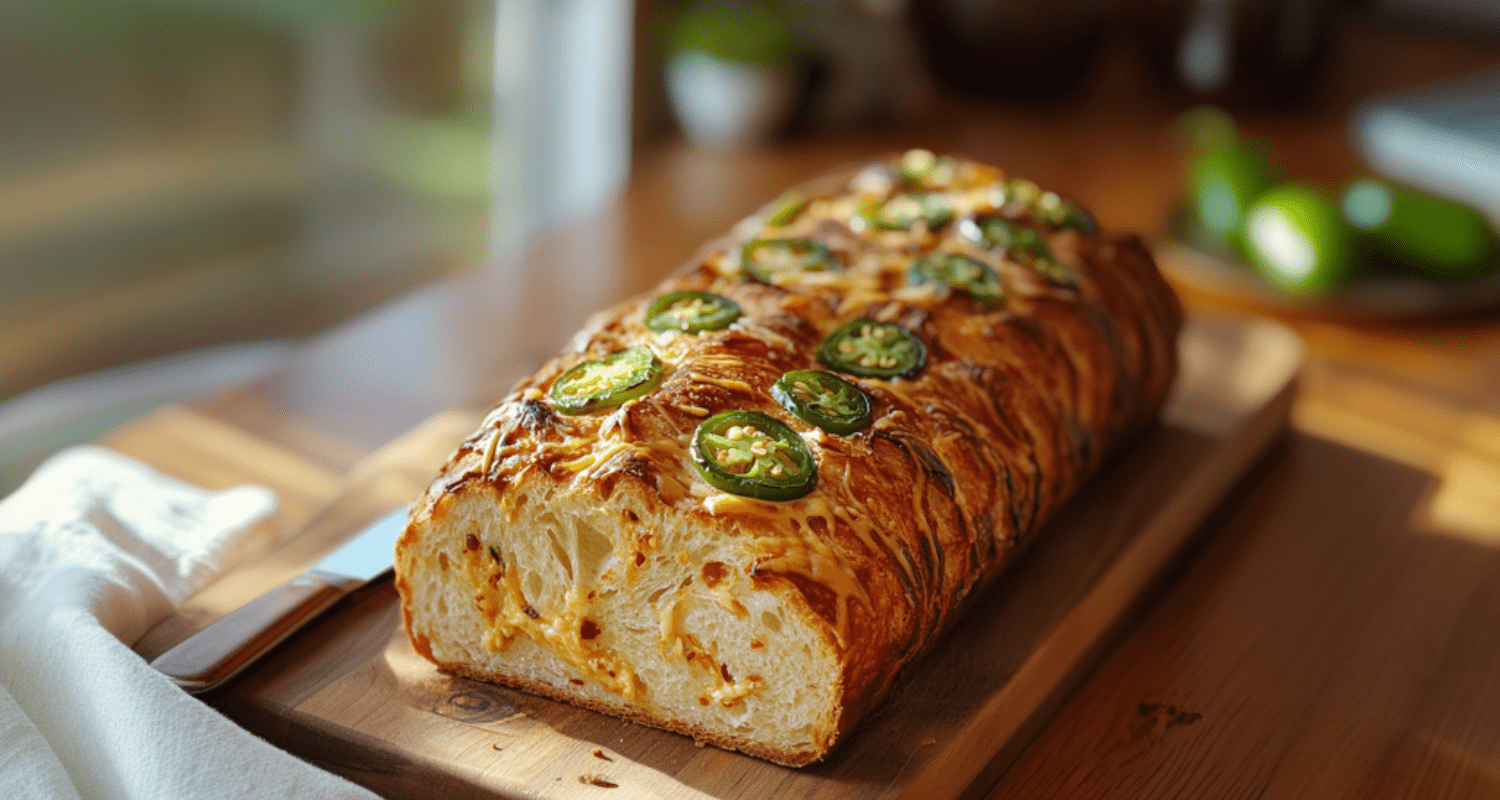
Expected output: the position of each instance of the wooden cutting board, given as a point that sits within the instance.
(350, 695)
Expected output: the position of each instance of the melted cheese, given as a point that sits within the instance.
(797, 537)
(798, 548)
(489, 454)
(501, 601)
(726, 383)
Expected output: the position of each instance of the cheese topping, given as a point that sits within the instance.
(821, 538)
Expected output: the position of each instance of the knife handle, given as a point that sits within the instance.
(218, 652)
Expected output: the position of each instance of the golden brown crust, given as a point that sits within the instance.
(1015, 407)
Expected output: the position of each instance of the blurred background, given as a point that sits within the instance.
(177, 174)
(190, 187)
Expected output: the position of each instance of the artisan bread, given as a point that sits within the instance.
(596, 542)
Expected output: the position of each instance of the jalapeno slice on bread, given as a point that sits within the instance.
(1052, 209)
(961, 273)
(607, 382)
(1021, 244)
(788, 209)
(872, 349)
(901, 212)
(754, 455)
(764, 259)
(926, 170)
(823, 399)
(691, 312)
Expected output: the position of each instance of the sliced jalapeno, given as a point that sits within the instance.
(766, 258)
(901, 212)
(691, 312)
(787, 210)
(994, 232)
(823, 399)
(1020, 190)
(608, 382)
(922, 169)
(1055, 273)
(959, 272)
(1048, 207)
(754, 455)
(872, 349)
(1059, 213)
(1022, 243)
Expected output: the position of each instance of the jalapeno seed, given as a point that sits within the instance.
(960, 272)
(764, 259)
(691, 312)
(872, 349)
(823, 399)
(607, 382)
(754, 455)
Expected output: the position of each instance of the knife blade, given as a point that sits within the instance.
(217, 653)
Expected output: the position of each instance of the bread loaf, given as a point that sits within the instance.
(759, 581)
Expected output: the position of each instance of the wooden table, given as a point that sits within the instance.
(1336, 634)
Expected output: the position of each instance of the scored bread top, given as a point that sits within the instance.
(1019, 398)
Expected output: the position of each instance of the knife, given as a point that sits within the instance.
(217, 653)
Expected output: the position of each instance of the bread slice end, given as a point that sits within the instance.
(615, 606)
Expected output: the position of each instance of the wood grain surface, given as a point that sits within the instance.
(1316, 649)
(350, 695)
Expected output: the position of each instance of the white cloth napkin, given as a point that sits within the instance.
(95, 549)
